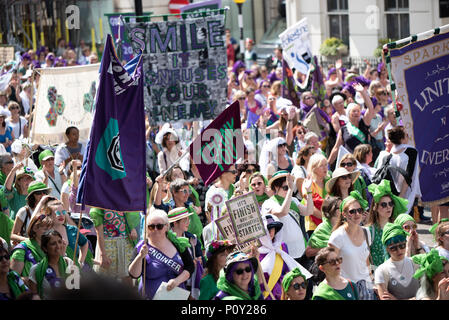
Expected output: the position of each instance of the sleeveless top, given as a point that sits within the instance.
(350, 141)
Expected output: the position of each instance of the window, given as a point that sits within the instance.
(398, 19)
(338, 19)
(444, 8)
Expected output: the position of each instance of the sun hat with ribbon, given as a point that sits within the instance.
(164, 130)
(338, 173)
(278, 175)
(217, 246)
(431, 264)
(384, 189)
(178, 214)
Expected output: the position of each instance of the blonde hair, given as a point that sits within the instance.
(158, 214)
(314, 162)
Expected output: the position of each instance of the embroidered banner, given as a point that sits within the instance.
(65, 98)
(421, 73)
(113, 172)
(185, 66)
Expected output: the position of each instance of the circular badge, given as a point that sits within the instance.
(49, 270)
(394, 282)
(217, 199)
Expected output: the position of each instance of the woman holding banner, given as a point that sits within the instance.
(163, 255)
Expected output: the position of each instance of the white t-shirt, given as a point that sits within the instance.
(396, 269)
(354, 265)
(55, 184)
(292, 235)
(17, 128)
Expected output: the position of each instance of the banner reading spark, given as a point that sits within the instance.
(185, 67)
(421, 74)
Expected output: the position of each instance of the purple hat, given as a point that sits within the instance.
(26, 55)
(362, 80)
(239, 64)
(349, 88)
(379, 67)
(50, 56)
(272, 77)
(374, 101)
(331, 71)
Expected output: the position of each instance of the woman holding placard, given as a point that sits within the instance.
(154, 255)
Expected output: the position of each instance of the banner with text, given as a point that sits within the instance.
(421, 73)
(65, 98)
(185, 65)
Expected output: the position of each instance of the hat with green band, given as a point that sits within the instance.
(354, 195)
(403, 218)
(178, 214)
(288, 278)
(384, 189)
(278, 175)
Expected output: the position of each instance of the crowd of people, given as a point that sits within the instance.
(332, 233)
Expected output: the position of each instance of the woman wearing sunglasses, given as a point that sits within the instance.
(36, 190)
(341, 183)
(394, 278)
(352, 242)
(294, 285)
(163, 255)
(384, 208)
(54, 209)
(258, 183)
(414, 244)
(334, 286)
(237, 279)
(441, 233)
(11, 285)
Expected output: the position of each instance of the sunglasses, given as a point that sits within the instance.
(232, 171)
(408, 227)
(282, 145)
(14, 108)
(298, 286)
(9, 162)
(266, 86)
(6, 257)
(256, 184)
(358, 210)
(184, 191)
(347, 164)
(59, 213)
(242, 98)
(158, 226)
(386, 204)
(240, 271)
(307, 98)
(397, 246)
(39, 193)
(384, 93)
(346, 177)
(250, 170)
(285, 188)
(334, 262)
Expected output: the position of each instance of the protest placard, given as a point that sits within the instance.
(224, 225)
(245, 217)
(185, 66)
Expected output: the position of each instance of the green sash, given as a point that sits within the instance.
(195, 226)
(320, 237)
(16, 284)
(6, 225)
(41, 270)
(326, 292)
(356, 132)
(89, 257)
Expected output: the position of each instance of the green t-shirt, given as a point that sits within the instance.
(15, 200)
(325, 292)
(208, 287)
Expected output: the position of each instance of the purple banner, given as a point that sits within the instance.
(113, 172)
(421, 74)
(219, 146)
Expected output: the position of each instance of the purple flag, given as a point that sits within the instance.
(289, 90)
(113, 172)
(219, 146)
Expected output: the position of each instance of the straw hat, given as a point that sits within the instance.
(340, 172)
(237, 257)
(278, 175)
(178, 214)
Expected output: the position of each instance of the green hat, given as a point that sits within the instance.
(431, 264)
(278, 175)
(288, 278)
(384, 189)
(403, 218)
(37, 186)
(393, 232)
(354, 195)
(44, 155)
(435, 226)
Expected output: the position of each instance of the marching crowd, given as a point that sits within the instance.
(338, 226)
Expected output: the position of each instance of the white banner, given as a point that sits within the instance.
(65, 98)
(296, 47)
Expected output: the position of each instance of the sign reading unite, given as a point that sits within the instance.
(185, 67)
